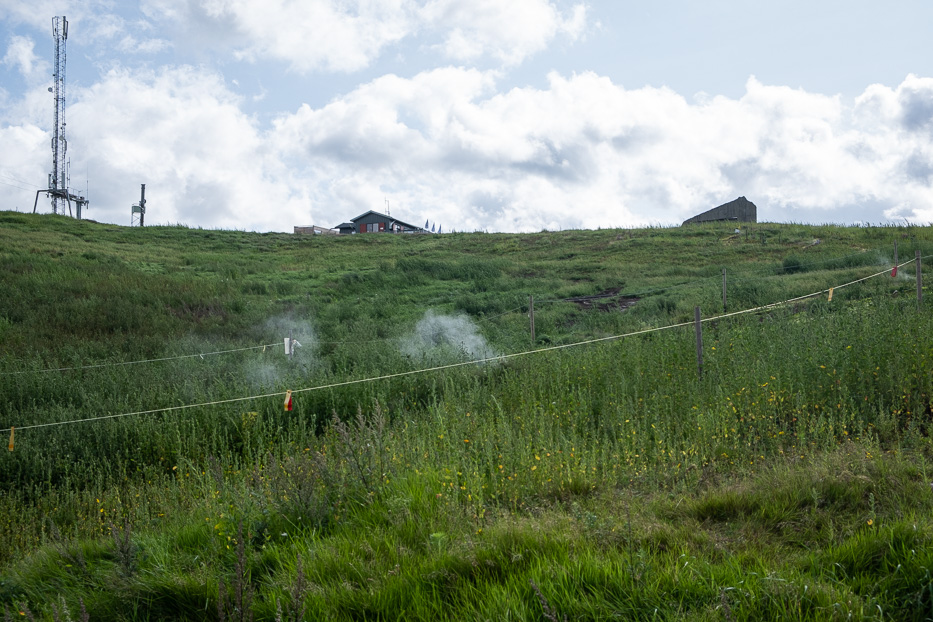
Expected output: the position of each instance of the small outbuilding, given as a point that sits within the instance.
(315, 230)
(739, 210)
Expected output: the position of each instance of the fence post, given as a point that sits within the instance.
(531, 317)
(723, 290)
(919, 282)
(895, 255)
(699, 330)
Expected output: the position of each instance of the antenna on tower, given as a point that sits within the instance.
(59, 178)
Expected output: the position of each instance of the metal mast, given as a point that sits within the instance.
(58, 190)
(139, 208)
(58, 179)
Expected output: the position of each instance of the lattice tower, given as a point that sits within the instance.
(58, 179)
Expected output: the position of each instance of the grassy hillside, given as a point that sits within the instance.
(156, 474)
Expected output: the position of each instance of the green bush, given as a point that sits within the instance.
(792, 264)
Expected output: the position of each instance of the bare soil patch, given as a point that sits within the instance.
(609, 300)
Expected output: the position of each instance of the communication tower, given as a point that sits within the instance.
(59, 178)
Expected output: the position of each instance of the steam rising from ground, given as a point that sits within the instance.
(270, 368)
(281, 327)
(444, 338)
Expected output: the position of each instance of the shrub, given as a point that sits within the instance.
(792, 264)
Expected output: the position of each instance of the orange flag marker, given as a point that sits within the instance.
(11, 437)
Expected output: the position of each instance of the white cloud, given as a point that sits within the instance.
(451, 146)
(39, 13)
(460, 146)
(105, 26)
(92, 24)
(901, 144)
(133, 45)
(585, 152)
(330, 35)
(20, 54)
(22, 168)
(181, 132)
(349, 35)
(111, 31)
(507, 31)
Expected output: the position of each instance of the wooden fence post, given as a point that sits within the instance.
(698, 326)
(895, 254)
(919, 282)
(723, 290)
(531, 317)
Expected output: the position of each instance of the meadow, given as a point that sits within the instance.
(591, 473)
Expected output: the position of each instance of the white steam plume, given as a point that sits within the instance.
(442, 338)
(271, 368)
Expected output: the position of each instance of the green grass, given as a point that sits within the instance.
(590, 482)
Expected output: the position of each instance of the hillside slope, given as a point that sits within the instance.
(156, 473)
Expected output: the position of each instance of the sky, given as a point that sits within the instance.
(474, 115)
